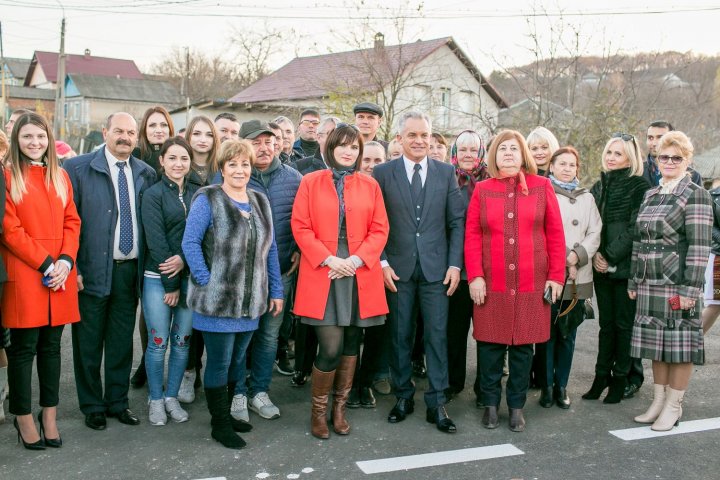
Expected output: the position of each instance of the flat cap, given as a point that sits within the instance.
(368, 107)
(254, 128)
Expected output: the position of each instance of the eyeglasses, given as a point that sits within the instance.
(624, 136)
(674, 159)
(314, 123)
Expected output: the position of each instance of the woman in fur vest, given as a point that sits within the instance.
(341, 227)
(235, 278)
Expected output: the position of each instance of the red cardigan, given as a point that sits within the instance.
(315, 218)
(516, 243)
(38, 227)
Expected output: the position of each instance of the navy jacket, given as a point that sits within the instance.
(95, 200)
(282, 187)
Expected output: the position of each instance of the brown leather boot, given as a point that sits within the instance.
(322, 383)
(343, 383)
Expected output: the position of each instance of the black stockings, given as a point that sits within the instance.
(335, 341)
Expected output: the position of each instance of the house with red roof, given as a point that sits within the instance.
(434, 76)
(43, 69)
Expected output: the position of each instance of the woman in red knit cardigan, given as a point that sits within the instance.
(514, 252)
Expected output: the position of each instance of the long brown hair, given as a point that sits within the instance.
(19, 163)
(145, 148)
(212, 164)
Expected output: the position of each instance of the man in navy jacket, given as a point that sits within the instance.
(108, 186)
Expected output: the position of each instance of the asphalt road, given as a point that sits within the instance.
(557, 444)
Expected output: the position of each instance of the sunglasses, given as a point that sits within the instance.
(624, 136)
(674, 159)
(314, 123)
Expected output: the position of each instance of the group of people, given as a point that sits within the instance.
(375, 257)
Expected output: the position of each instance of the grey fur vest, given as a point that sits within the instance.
(233, 291)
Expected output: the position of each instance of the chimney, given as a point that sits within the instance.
(87, 54)
(379, 42)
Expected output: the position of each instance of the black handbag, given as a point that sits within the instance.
(569, 318)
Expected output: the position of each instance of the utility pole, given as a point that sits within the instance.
(187, 86)
(3, 97)
(59, 124)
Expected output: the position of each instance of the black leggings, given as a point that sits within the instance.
(333, 342)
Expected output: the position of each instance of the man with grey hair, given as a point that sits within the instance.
(288, 155)
(422, 261)
(317, 161)
(107, 187)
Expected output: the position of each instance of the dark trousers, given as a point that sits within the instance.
(433, 301)
(374, 357)
(617, 315)
(492, 358)
(460, 312)
(26, 344)
(636, 375)
(305, 348)
(557, 353)
(107, 324)
(197, 347)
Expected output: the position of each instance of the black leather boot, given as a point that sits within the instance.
(546, 397)
(616, 390)
(600, 383)
(222, 430)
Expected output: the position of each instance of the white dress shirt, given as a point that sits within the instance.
(410, 169)
(114, 171)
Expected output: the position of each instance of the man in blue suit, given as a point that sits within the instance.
(421, 263)
(108, 186)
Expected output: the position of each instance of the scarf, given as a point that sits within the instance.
(569, 186)
(667, 186)
(521, 182)
(478, 172)
(339, 175)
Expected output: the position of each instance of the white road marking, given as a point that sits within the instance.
(438, 458)
(641, 433)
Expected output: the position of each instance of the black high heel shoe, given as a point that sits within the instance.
(49, 442)
(39, 445)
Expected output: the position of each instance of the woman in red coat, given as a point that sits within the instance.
(41, 232)
(341, 227)
(514, 253)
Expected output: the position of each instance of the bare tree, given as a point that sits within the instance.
(254, 49)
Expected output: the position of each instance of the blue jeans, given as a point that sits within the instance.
(163, 323)
(264, 348)
(225, 357)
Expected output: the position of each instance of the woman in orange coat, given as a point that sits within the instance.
(41, 233)
(341, 227)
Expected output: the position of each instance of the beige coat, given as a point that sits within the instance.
(582, 225)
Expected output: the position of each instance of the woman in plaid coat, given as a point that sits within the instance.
(670, 252)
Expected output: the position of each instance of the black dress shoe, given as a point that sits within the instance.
(440, 418)
(561, 398)
(546, 397)
(403, 407)
(419, 369)
(96, 420)
(490, 418)
(630, 390)
(517, 420)
(125, 416)
(367, 399)
(298, 379)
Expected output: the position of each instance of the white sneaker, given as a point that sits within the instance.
(157, 412)
(176, 412)
(239, 408)
(263, 406)
(186, 394)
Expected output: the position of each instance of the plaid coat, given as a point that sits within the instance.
(670, 254)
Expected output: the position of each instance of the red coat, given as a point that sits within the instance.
(516, 243)
(315, 227)
(40, 226)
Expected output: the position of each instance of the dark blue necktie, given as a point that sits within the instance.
(126, 229)
(416, 184)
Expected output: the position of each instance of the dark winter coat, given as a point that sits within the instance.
(164, 211)
(715, 245)
(618, 196)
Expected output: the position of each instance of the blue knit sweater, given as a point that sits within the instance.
(198, 221)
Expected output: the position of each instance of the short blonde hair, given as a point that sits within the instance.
(528, 163)
(233, 148)
(542, 136)
(632, 152)
(680, 141)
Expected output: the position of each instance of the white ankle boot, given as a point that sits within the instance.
(655, 407)
(671, 412)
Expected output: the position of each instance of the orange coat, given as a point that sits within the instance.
(315, 226)
(38, 228)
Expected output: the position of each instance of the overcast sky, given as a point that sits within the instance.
(145, 30)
